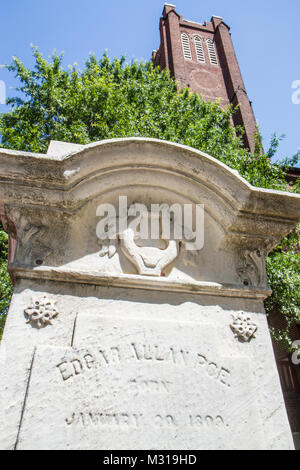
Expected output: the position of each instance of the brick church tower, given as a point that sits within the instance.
(202, 57)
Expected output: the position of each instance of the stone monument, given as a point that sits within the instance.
(118, 341)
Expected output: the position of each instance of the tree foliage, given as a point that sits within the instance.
(111, 99)
(283, 266)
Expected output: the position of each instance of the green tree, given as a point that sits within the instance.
(110, 99)
(283, 266)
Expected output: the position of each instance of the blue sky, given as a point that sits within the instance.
(265, 34)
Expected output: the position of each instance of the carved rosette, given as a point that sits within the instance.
(243, 327)
(41, 312)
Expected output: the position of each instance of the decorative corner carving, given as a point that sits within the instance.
(253, 270)
(31, 247)
(34, 248)
(243, 327)
(41, 312)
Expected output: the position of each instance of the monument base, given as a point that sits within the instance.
(139, 369)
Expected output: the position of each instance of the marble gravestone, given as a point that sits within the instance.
(130, 343)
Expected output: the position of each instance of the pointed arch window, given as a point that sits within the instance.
(199, 49)
(212, 51)
(186, 47)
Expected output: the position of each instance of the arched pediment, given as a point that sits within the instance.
(52, 202)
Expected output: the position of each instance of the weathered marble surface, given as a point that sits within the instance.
(172, 361)
(146, 384)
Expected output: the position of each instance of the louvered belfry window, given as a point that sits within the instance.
(212, 52)
(185, 41)
(199, 49)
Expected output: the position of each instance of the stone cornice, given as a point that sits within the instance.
(135, 281)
